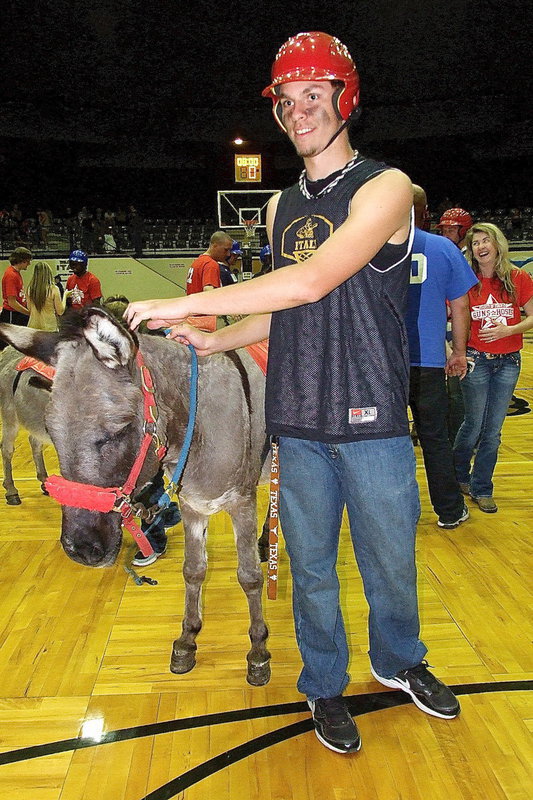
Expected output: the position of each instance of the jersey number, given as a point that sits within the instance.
(419, 268)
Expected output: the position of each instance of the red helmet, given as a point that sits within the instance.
(315, 57)
(459, 217)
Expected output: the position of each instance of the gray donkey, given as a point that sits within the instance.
(95, 420)
(23, 400)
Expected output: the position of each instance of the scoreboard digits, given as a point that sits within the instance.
(247, 169)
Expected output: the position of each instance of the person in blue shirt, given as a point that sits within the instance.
(439, 274)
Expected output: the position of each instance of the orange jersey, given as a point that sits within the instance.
(204, 271)
(86, 287)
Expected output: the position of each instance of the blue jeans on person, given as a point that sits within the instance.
(428, 399)
(167, 518)
(375, 479)
(487, 392)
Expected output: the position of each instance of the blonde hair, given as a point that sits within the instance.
(504, 267)
(40, 284)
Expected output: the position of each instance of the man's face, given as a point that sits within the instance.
(24, 265)
(222, 250)
(308, 115)
(77, 267)
(451, 232)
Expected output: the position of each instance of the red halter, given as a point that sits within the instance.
(105, 499)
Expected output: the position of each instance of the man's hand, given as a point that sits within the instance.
(456, 366)
(188, 334)
(161, 313)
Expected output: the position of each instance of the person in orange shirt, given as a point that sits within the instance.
(83, 288)
(14, 308)
(204, 274)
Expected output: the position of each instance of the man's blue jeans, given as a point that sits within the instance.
(375, 479)
(487, 392)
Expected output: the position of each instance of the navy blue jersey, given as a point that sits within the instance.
(338, 369)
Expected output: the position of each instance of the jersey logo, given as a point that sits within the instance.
(356, 416)
(493, 313)
(301, 238)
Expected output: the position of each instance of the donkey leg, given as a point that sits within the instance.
(250, 577)
(194, 569)
(38, 460)
(9, 433)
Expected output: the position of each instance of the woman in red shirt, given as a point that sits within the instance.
(494, 349)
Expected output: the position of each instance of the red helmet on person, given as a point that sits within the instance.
(459, 217)
(315, 56)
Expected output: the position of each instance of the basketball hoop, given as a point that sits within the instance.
(249, 228)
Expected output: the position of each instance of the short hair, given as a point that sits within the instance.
(19, 256)
(220, 236)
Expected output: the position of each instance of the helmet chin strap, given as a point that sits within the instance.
(354, 116)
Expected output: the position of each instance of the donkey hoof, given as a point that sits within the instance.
(44, 490)
(13, 500)
(182, 661)
(258, 674)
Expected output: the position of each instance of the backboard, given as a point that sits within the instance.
(235, 206)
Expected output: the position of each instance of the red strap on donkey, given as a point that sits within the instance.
(114, 498)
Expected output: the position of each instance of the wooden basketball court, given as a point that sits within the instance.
(90, 711)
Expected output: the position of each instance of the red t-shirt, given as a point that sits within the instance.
(204, 271)
(88, 289)
(12, 286)
(491, 306)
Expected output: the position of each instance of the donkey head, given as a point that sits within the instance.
(94, 419)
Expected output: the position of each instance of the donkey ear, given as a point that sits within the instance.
(113, 345)
(31, 342)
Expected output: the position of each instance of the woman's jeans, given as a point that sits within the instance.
(375, 479)
(487, 392)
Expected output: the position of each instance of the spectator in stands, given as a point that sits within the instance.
(494, 349)
(44, 299)
(83, 287)
(14, 308)
(135, 229)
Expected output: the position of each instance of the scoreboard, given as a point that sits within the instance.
(247, 168)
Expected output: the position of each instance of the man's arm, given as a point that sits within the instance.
(460, 319)
(14, 304)
(251, 329)
(380, 213)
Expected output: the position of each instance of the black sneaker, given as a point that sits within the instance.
(428, 693)
(448, 525)
(334, 725)
(140, 560)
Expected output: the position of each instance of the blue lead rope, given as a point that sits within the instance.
(164, 500)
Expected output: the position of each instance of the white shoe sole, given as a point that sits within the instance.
(327, 744)
(394, 683)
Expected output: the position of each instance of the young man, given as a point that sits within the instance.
(83, 288)
(454, 224)
(337, 383)
(13, 299)
(439, 274)
(204, 272)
